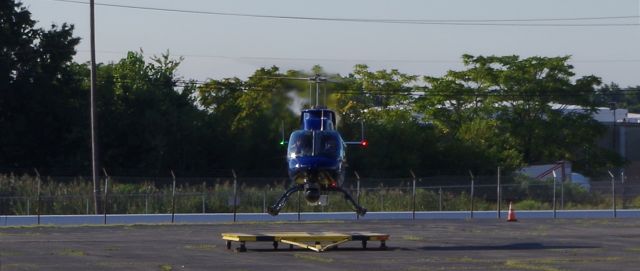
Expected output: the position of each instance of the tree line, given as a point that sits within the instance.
(498, 111)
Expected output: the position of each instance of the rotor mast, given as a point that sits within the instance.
(317, 79)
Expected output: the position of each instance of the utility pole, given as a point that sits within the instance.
(94, 144)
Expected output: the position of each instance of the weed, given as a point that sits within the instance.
(528, 265)
(71, 252)
(412, 238)
(634, 249)
(307, 256)
(200, 247)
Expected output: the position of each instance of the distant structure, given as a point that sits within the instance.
(623, 135)
(563, 173)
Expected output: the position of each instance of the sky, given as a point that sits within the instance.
(220, 46)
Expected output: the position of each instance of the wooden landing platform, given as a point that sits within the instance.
(301, 239)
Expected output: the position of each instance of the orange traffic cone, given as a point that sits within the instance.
(511, 217)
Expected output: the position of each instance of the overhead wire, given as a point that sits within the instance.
(353, 60)
(452, 22)
(469, 22)
(424, 91)
(181, 83)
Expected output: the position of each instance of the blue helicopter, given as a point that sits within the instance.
(316, 157)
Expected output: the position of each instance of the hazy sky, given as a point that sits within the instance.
(216, 46)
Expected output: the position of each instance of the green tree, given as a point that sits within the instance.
(364, 89)
(42, 102)
(249, 114)
(149, 122)
(399, 141)
(628, 97)
(515, 110)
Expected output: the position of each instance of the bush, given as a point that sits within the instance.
(530, 204)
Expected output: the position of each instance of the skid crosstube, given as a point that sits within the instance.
(301, 239)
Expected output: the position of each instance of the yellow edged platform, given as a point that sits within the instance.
(300, 239)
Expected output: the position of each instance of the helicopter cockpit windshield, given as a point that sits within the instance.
(314, 143)
(301, 144)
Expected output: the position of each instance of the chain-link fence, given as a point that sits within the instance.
(218, 195)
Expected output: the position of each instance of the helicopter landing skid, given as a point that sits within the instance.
(361, 211)
(274, 210)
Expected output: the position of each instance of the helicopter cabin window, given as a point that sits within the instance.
(301, 144)
(329, 144)
(308, 143)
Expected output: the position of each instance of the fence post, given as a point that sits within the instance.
(105, 200)
(413, 195)
(555, 180)
(613, 194)
(472, 191)
(564, 177)
(264, 200)
(235, 194)
(146, 203)
(204, 194)
(2, 211)
(440, 198)
(622, 187)
(562, 195)
(498, 195)
(299, 205)
(38, 208)
(357, 191)
(173, 198)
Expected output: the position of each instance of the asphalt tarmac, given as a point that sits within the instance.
(480, 244)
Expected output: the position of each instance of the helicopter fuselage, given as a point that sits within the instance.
(316, 154)
(318, 166)
(316, 160)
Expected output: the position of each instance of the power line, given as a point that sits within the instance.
(458, 22)
(480, 95)
(353, 60)
(413, 93)
(270, 58)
